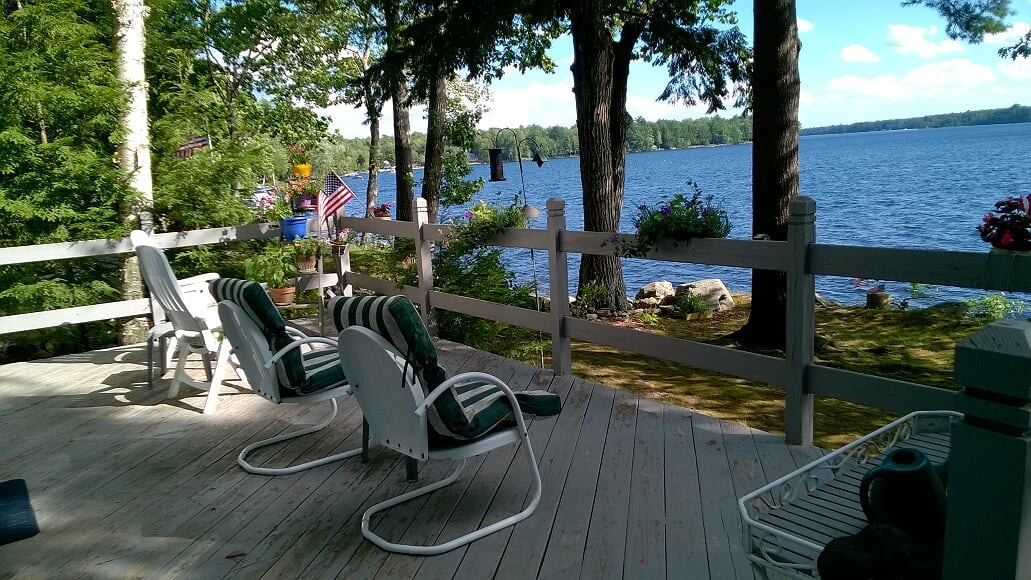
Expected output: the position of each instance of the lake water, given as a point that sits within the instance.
(924, 188)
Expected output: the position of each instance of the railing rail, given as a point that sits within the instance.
(799, 257)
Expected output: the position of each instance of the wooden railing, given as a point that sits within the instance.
(800, 257)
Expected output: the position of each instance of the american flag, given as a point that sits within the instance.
(333, 196)
(186, 150)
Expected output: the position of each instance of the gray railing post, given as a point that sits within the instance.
(558, 288)
(423, 259)
(988, 523)
(801, 322)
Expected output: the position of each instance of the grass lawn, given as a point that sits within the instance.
(912, 345)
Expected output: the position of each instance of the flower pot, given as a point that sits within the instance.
(698, 315)
(293, 227)
(301, 169)
(305, 263)
(382, 217)
(282, 296)
(878, 300)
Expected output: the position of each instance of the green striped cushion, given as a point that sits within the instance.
(467, 410)
(250, 296)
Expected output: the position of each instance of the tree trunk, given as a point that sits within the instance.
(403, 149)
(775, 92)
(134, 152)
(433, 165)
(372, 189)
(599, 111)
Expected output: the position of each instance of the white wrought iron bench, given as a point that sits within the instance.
(786, 523)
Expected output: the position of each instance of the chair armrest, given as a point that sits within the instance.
(199, 279)
(297, 344)
(466, 378)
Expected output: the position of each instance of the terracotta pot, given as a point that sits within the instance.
(381, 217)
(301, 169)
(282, 296)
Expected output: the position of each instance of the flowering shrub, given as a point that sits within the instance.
(270, 204)
(297, 155)
(679, 219)
(1008, 227)
(300, 191)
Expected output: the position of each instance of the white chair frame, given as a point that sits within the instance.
(191, 326)
(397, 417)
(251, 349)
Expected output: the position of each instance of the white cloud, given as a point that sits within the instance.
(806, 98)
(804, 25)
(1019, 69)
(544, 104)
(911, 40)
(1011, 35)
(948, 79)
(858, 53)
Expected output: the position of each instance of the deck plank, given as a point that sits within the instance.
(126, 483)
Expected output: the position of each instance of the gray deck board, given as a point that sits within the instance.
(128, 484)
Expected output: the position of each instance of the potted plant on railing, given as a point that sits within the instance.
(300, 161)
(382, 211)
(275, 267)
(306, 254)
(1008, 227)
(679, 219)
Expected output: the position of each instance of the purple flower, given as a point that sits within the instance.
(706, 212)
(665, 209)
(614, 238)
(468, 215)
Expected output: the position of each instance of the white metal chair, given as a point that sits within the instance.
(192, 325)
(276, 367)
(391, 397)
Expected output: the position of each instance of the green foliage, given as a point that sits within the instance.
(688, 302)
(992, 307)
(679, 219)
(455, 189)
(589, 296)
(465, 265)
(274, 265)
(649, 318)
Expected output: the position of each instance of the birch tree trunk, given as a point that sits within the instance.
(134, 151)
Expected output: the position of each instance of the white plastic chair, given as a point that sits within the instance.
(192, 324)
(241, 311)
(162, 334)
(395, 408)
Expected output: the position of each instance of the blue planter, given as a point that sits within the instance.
(293, 227)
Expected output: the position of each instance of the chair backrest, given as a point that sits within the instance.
(262, 317)
(251, 349)
(374, 370)
(163, 286)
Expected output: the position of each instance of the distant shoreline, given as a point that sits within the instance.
(1009, 115)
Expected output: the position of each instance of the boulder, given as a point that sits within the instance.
(659, 290)
(712, 290)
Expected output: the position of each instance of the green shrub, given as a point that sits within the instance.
(591, 295)
(647, 317)
(993, 307)
(688, 302)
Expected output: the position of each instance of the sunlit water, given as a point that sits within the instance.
(918, 189)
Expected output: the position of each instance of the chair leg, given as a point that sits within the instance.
(365, 440)
(180, 369)
(411, 470)
(242, 459)
(150, 362)
(461, 540)
(216, 379)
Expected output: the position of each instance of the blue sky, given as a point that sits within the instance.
(861, 60)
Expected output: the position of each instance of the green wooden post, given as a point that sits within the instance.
(988, 527)
(801, 322)
(558, 288)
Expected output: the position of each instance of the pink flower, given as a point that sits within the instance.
(1006, 240)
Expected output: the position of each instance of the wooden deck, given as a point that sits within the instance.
(126, 484)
